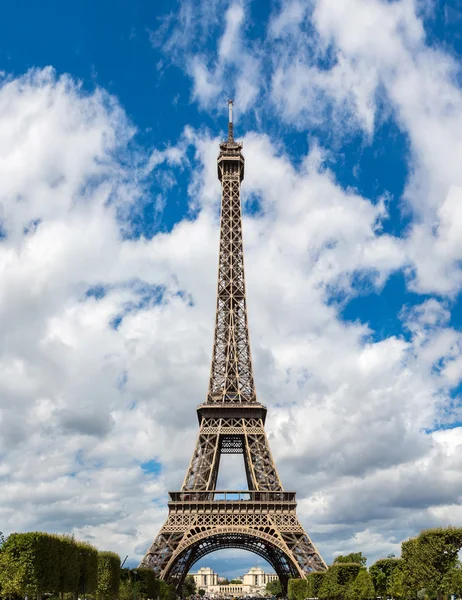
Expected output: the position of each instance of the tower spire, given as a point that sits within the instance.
(231, 377)
(230, 121)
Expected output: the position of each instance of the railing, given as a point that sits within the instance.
(231, 496)
(229, 403)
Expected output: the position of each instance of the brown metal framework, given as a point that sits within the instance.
(202, 519)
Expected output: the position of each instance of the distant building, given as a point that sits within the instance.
(205, 577)
(257, 577)
(253, 583)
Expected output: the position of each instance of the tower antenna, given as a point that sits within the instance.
(230, 120)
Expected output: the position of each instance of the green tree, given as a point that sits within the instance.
(411, 569)
(32, 563)
(336, 580)
(167, 591)
(131, 584)
(274, 587)
(455, 581)
(361, 588)
(430, 558)
(440, 549)
(314, 583)
(88, 560)
(346, 573)
(138, 583)
(235, 581)
(353, 557)
(297, 589)
(11, 576)
(330, 587)
(69, 568)
(126, 590)
(380, 583)
(201, 592)
(396, 585)
(189, 586)
(35, 563)
(108, 575)
(381, 572)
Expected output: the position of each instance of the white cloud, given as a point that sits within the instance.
(229, 43)
(84, 403)
(376, 51)
(303, 95)
(231, 69)
(206, 84)
(289, 17)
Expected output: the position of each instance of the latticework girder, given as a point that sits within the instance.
(231, 435)
(231, 377)
(201, 519)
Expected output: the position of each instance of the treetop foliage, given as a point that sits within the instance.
(189, 586)
(344, 572)
(353, 557)
(297, 589)
(430, 558)
(381, 573)
(274, 587)
(35, 563)
(361, 588)
(138, 583)
(88, 557)
(314, 582)
(108, 575)
(428, 568)
(167, 591)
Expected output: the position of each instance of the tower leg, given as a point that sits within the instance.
(203, 469)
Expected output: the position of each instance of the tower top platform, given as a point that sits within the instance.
(230, 158)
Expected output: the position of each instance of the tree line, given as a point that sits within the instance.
(36, 564)
(428, 569)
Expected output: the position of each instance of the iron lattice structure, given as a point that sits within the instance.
(202, 519)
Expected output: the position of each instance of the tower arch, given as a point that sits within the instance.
(201, 544)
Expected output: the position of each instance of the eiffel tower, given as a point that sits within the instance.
(201, 518)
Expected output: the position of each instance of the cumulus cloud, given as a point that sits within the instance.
(233, 69)
(367, 57)
(103, 331)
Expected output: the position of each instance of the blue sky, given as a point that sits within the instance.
(351, 116)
